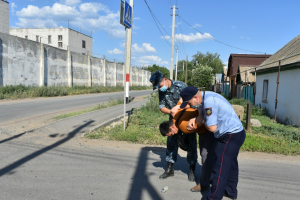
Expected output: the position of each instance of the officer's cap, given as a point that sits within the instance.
(187, 94)
(156, 78)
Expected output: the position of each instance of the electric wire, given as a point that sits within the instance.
(215, 39)
(154, 17)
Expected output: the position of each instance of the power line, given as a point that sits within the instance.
(154, 17)
(217, 40)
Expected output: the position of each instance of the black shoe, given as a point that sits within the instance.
(169, 171)
(226, 195)
(192, 173)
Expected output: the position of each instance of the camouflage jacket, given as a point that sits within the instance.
(170, 98)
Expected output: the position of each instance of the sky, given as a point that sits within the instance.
(257, 26)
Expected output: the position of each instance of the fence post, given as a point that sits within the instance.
(90, 72)
(42, 74)
(70, 74)
(104, 72)
(115, 74)
(248, 116)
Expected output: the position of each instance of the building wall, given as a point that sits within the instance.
(75, 43)
(4, 17)
(288, 96)
(44, 33)
(35, 64)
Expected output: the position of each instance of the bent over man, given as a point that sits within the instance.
(168, 98)
(220, 118)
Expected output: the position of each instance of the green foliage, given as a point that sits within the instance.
(21, 91)
(202, 76)
(155, 67)
(209, 59)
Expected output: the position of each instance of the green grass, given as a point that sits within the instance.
(110, 103)
(21, 91)
(143, 128)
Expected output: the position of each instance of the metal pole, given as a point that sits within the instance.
(276, 101)
(172, 46)
(183, 66)
(176, 65)
(186, 64)
(128, 55)
(124, 77)
(248, 116)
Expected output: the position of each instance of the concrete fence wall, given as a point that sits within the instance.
(34, 64)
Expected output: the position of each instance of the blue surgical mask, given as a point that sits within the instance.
(163, 88)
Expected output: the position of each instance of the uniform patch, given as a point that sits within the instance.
(208, 111)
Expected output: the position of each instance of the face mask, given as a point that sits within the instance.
(196, 107)
(163, 88)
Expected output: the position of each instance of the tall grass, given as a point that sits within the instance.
(21, 91)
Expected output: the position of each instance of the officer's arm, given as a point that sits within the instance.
(165, 110)
(211, 115)
(211, 128)
(162, 103)
(175, 109)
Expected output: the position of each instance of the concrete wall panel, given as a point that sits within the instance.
(134, 76)
(120, 78)
(97, 71)
(79, 64)
(110, 74)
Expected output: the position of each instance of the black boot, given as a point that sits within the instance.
(192, 172)
(169, 171)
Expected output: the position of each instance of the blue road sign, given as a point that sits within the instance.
(128, 15)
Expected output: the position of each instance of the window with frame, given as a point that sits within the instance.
(60, 44)
(83, 44)
(49, 39)
(60, 38)
(26, 37)
(37, 38)
(265, 91)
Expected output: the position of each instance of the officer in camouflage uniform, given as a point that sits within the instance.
(169, 95)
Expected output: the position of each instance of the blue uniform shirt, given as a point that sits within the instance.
(218, 111)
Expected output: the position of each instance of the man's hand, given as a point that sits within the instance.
(191, 124)
(174, 110)
(199, 120)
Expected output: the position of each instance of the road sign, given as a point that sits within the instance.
(127, 15)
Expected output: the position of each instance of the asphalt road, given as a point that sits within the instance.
(76, 169)
(18, 109)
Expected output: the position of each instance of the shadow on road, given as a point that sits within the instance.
(25, 159)
(141, 181)
(11, 138)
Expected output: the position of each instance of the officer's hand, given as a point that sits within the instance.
(174, 110)
(191, 124)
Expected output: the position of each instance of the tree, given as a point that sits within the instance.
(202, 76)
(209, 59)
(155, 67)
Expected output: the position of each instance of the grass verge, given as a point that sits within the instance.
(110, 103)
(21, 91)
(143, 129)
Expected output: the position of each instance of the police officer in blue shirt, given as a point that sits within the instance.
(220, 118)
(169, 95)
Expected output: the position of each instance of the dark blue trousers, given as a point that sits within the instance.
(226, 169)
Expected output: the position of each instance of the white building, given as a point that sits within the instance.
(4, 16)
(64, 38)
(288, 106)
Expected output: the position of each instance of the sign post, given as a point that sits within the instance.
(126, 16)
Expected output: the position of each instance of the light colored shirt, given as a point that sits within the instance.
(218, 111)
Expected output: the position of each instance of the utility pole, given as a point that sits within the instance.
(172, 46)
(128, 55)
(176, 64)
(186, 64)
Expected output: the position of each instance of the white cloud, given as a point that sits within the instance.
(136, 18)
(233, 27)
(86, 15)
(191, 38)
(70, 2)
(145, 48)
(149, 60)
(248, 38)
(197, 25)
(242, 37)
(13, 6)
(115, 51)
